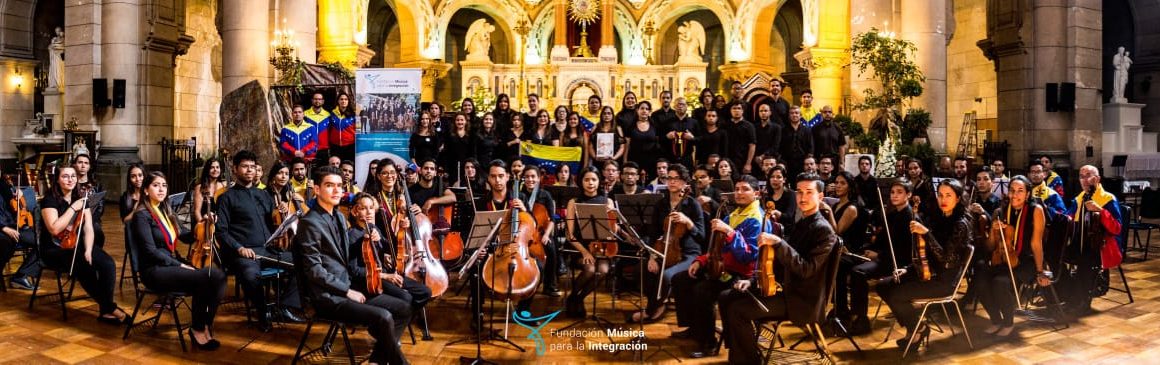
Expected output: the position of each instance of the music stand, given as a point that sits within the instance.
(594, 223)
(723, 185)
(1118, 162)
(484, 230)
(638, 209)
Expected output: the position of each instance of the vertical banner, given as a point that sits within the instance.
(389, 98)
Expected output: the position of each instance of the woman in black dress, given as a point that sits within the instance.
(607, 124)
(561, 123)
(592, 268)
(503, 113)
(712, 139)
(511, 138)
(643, 143)
(573, 135)
(783, 199)
(487, 142)
(457, 146)
(424, 142)
(543, 132)
(627, 114)
(706, 100)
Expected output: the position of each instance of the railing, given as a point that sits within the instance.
(177, 162)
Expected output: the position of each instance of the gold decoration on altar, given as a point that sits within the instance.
(584, 12)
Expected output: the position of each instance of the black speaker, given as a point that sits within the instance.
(1052, 97)
(119, 93)
(100, 93)
(1067, 97)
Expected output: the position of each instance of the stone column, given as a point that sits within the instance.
(924, 22)
(335, 32)
(560, 51)
(825, 61)
(432, 71)
(82, 32)
(245, 43)
(121, 59)
(301, 16)
(607, 52)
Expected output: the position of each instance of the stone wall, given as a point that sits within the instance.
(16, 102)
(970, 75)
(198, 93)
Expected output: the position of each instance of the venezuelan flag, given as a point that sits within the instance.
(549, 158)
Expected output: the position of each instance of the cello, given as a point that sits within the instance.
(715, 266)
(543, 219)
(450, 248)
(670, 255)
(511, 272)
(422, 267)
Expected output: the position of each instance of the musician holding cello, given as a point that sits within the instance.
(798, 268)
(938, 256)
(155, 232)
(678, 225)
(543, 209)
(730, 257)
(500, 197)
(1096, 214)
(244, 220)
(322, 256)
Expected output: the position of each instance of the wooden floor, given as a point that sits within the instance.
(1116, 333)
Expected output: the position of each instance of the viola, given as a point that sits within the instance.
(20, 206)
(764, 277)
(370, 256)
(1006, 251)
(203, 249)
(924, 272)
(450, 248)
(715, 266)
(510, 271)
(71, 234)
(423, 267)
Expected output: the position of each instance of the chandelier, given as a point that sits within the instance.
(284, 50)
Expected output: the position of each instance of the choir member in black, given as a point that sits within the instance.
(425, 142)
(533, 114)
(783, 199)
(682, 210)
(155, 232)
(867, 183)
(644, 146)
(799, 267)
(737, 96)
(705, 193)
(923, 188)
(471, 176)
(629, 181)
(742, 138)
(425, 194)
(829, 140)
(607, 124)
(1024, 220)
(440, 122)
(706, 99)
(532, 177)
(780, 106)
(850, 222)
(92, 267)
(591, 268)
(244, 219)
(948, 235)
(680, 133)
(468, 107)
(664, 116)
(511, 138)
(322, 257)
(711, 139)
(404, 296)
(878, 250)
(627, 114)
(457, 146)
(796, 142)
(541, 132)
(1091, 207)
(573, 134)
(561, 123)
(768, 134)
(695, 291)
(504, 115)
(564, 176)
(488, 144)
(132, 194)
(727, 170)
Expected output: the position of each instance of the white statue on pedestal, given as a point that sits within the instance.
(478, 40)
(1121, 62)
(56, 61)
(690, 42)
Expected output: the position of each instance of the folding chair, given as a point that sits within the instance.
(943, 301)
(170, 300)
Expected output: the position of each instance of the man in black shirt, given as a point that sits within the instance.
(796, 142)
(663, 117)
(828, 137)
(680, 135)
(424, 194)
(780, 107)
(768, 131)
(742, 139)
(737, 96)
(243, 225)
(867, 183)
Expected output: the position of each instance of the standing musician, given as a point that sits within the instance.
(681, 210)
(937, 260)
(1019, 226)
(592, 268)
(64, 213)
(696, 292)
(500, 198)
(155, 232)
(799, 266)
(322, 257)
(404, 296)
(532, 178)
(1093, 207)
(243, 226)
(883, 257)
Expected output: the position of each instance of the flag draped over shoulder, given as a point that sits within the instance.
(588, 125)
(549, 158)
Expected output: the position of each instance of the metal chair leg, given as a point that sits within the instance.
(913, 335)
(963, 322)
(302, 343)
(346, 340)
(176, 322)
(1127, 289)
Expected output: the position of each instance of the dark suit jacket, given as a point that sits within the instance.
(152, 249)
(322, 257)
(801, 266)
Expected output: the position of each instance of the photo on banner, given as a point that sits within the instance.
(389, 98)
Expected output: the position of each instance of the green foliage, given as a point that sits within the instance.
(890, 60)
(923, 152)
(867, 142)
(914, 125)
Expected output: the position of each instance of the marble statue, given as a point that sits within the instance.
(810, 20)
(1121, 62)
(478, 40)
(56, 61)
(690, 42)
(79, 148)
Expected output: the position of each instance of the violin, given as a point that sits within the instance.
(606, 249)
(71, 234)
(715, 266)
(764, 279)
(20, 206)
(923, 264)
(422, 267)
(370, 256)
(203, 249)
(540, 215)
(670, 244)
(450, 248)
(1006, 251)
(510, 271)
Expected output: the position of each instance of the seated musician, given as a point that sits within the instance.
(879, 251)
(532, 176)
(704, 191)
(94, 269)
(1093, 206)
(1023, 220)
(155, 232)
(591, 268)
(984, 202)
(1041, 192)
(777, 192)
(935, 267)
(285, 199)
(695, 291)
(799, 263)
(404, 296)
(299, 179)
(681, 210)
(321, 257)
(244, 220)
(499, 198)
(424, 194)
(850, 219)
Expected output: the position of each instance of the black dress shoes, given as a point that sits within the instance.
(705, 351)
(289, 316)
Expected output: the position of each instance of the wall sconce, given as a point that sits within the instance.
(18, 79)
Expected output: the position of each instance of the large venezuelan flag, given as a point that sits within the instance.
(549, 158)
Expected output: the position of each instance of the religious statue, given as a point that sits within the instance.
(1121, 62)
(810, 19)
(690, 42)
(56, 61)
(79, 147)
(478, 40)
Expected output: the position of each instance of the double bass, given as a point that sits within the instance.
(422, 267)
(511, 272)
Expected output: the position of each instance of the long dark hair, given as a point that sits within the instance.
(286, 190)
(852, 193)
(129, 175)
(377, 188)
(599, 179)
(203, 180)
(57, 191)
(166, 210)
(349, 110)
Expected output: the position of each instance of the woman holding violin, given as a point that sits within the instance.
(209, 183)
(403, 296)
(850, 222)
(591, 267)
(155, 232)
(1016, 246)
(682, 225)
(938, 257)
(67, 238)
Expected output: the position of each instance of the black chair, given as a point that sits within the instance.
(1054, 242)
(334, 327)
(62, 295)
(813, 328)
(1135, 224)
(165, 300)
(1124, 213)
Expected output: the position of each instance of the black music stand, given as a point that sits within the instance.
(638, 210)
(628, 234)
(481, 238)
(593, 223)
(724, 185)
(562, 193)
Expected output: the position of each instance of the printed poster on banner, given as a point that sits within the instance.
(389, 98)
